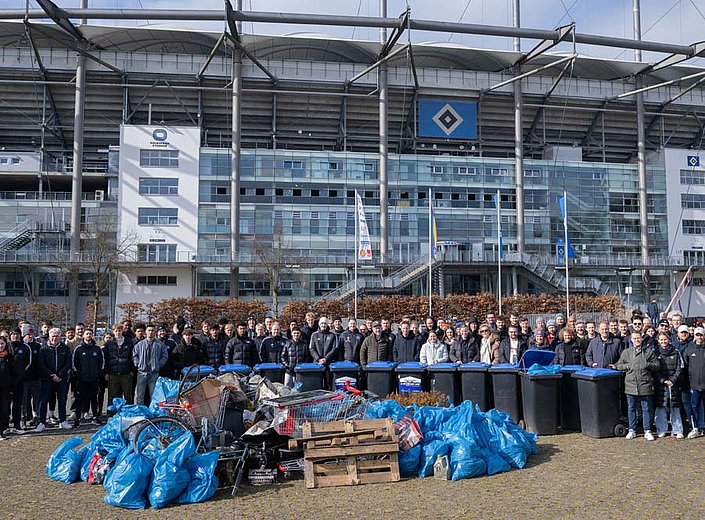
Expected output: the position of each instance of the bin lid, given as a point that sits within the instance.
(442, 367)
(268, 366)
(203, 369)
(592, 374)
(237, 367)
(381, 366)
(474, 366)
(310, 367)
(529, 376)
(569, 369)
(504, 367)
(344, 365)
(411, 366)
(536, 356)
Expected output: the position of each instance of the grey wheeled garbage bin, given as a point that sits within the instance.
(380, 377)
(599, 397)
(443, 378)
(506, 389)
(568, 398)
(539, 397)
(476, 384)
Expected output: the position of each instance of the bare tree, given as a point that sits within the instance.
(274, 262)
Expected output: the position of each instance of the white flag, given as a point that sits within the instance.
(364, 246)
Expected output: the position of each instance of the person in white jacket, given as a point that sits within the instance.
(433, 351)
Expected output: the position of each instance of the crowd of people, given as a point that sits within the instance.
(41, 374)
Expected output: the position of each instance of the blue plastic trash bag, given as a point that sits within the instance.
(118, 403)
(409, 461)
(385, 409)
(466, 459)
(170, 476)
(203, 483)
(434, 446)
(164, 390)
(129, 481)
(541, 369)
(64, 464)
(432, 418)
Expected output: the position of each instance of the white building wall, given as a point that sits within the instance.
(183, 234)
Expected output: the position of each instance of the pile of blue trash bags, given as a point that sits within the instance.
(476, 443)
(176, 475)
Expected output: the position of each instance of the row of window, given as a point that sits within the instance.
(159, 158)
(693, 227)
(692, 201)
(156, 280)
(692, 177)
(157, 216)
(159, 186)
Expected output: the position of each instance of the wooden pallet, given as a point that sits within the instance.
(350, 453)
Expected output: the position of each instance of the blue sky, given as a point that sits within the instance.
(675, 21)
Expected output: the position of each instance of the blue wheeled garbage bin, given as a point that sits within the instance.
(344, 371)
(237, 369)
(193, 374)
(380, 377)
(411, 377)
(272, 371)
(476, 384)
(311, 376)
(443, 378)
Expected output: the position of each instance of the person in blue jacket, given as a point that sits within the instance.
(604, 349)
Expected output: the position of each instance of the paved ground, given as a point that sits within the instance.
(573, 476)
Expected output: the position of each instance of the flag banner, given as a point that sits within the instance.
(364, 246)
(500, 240)
(434, 232)
(560, 248)
(561, 203)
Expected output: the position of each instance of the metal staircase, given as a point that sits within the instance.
(538, 266)
(26, 232)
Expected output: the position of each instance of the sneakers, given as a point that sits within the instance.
(65, 426)
(678, 436)
(631, 435)
(649, 436)
(661, 435)
(40, 428)
(16, 431)
(2, 438)
(694, 434)
(96, 421)
(71, 417)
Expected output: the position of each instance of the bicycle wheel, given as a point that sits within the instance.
(152, 436)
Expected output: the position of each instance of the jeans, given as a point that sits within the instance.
(633, 401)
(696, 398)
(661, 418)
(120, 386)
(289, 380)
(51, 390)
(144, 382)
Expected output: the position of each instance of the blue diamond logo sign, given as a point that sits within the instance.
(693, 160)
(448, 119)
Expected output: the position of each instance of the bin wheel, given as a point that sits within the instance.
(522, 424)
(620, 430)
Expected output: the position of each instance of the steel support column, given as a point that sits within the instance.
(235, 167)
(518, 140)
(383, 145)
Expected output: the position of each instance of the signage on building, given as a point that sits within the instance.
(447, 119)
(693, 161)
(159, 138)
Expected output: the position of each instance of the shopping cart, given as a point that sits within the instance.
(293, 411)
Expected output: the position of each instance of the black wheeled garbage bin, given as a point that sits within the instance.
(343, 372)
(476, 384)
(444, 379)
(539, 396)
(272, 371)
(506, 389)
(599, 397)
(311, 376)
(568, 398)
(411, 377)
(380, 377)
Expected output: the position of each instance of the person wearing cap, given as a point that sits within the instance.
(251, 323)
(89, 365)
(667, 389)
(376, 346)
(349, 343)
(33, 384)
(148, 357)
(190, 351)
(604, 350)
(119, 369)
(407, 346)
(54, 366)
(464, 348)
(241, 349)
(560, 321)
(694, 360)
(512, 348)
(683, 338)
(538, 341)
(324, 344)
(337, 328)
(640, 365)
(552, 334)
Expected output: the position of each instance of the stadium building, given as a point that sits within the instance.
(173, 135)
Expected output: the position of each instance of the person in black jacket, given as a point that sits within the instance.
(271, 349)
(7, 377)
(349, 343)
(406, 346)
(694, 358)
(89, 365)
(33, 384)
(512, 348)
(294, 353)
(54, 367)
(241, 349)
(324, 344)
(190, 351)
(464, 348)
(119, 366)
(168, 370)
(22, 355)
(215, 346)
(568, 350)
(667, 387)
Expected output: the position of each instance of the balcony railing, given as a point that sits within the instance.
(51, 195)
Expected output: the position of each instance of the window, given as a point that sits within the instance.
(532, 173)
(332, 193)
(15, 160)
(159, 158)
(157, 216)
(692, 201)
(221, 190)
(214, 287)
(370, 167)
(332, 223)
(158, 186)
(332, 166)
(293, 165)
(694, 227)
(259, 191)
(691, 177)
(498, 172)
(315, 193)
(297, 192)
(624, 202)
(691, 257)
(156, 253)
(279, 192)
(464, 170)
(156, 280)
(436, 169)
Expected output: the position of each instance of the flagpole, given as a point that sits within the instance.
(499, 257)
(430, 254)
(566, 254)
(356, 249)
